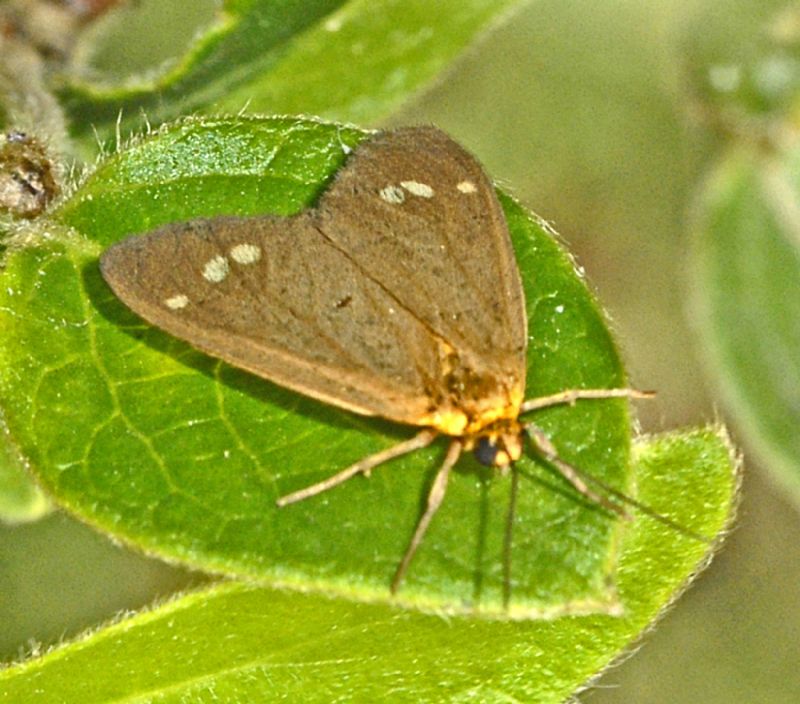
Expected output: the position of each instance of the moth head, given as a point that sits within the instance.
(499, 447)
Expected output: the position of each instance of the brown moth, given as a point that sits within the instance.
(366, 302)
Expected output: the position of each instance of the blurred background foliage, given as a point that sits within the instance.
(636, 127)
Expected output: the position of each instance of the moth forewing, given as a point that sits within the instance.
(443, 250)
(278, 314)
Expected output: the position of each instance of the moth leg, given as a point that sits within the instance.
(546, 448)
(435, 496)
(364, 466)
(509, 537)
(571, 395)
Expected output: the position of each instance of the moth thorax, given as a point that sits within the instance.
(499, 446)
(470, 397)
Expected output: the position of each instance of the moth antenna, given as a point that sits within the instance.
(435, 496)
(644, 508)
(508, 538)
(546, 448)
(570, 396)
(543, 444)
(420, 440)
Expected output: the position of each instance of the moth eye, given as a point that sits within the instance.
(485, 452)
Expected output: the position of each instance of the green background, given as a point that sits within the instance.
(580, 110)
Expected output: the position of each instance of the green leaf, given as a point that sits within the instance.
(352, 61)
(234, 642)
(21, 500)
(746, 295)
(184, 457)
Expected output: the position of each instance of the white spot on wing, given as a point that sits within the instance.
(392, 194)
(246, 253)
(176, 302)
(415, 188)
(467, 187)
(216, 269)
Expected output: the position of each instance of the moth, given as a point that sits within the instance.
(397, 295)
